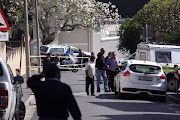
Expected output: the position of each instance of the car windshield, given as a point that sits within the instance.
(43, 48)
(148, 69)
(1, 71)
(56, 50)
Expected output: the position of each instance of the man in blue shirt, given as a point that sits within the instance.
(69, 52)
(112, 63)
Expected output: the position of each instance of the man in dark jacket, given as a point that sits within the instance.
(53, 98)
(101, 70)
(46, 60)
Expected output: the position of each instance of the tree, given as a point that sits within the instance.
(66, 15)
(129, 33)
(163, 17)
(174, 38)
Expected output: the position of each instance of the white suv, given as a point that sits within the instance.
(141, 77)
(11, 105)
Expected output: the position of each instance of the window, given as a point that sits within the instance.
(75, 50)
(56, 50)
(1, 70)
(143, 56)
(163, 56)
(148, 69)
(43, 48)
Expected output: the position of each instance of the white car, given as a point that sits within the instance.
(11, 106)
(141, 77)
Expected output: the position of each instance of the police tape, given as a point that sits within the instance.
(61, 67)
(58, 56)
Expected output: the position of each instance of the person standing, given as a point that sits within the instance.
(57, 61)
(46, 60)
(90, 74)
(108, 56)
(53, 98)
(112, 64)
(101, 70)
(107, 70)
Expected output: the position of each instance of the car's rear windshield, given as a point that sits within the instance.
(1, 70)
(148, 69)
(43, 48)
(56, 50)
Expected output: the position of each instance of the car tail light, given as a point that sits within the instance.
(127, 73)
(4, 98)
(163, 76)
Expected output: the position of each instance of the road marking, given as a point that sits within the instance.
(80, 94)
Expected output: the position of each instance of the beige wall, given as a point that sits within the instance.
(12, 58)
(3, 50)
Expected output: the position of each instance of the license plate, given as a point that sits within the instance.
(145, 78)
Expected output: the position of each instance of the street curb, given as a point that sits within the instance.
(170, 98)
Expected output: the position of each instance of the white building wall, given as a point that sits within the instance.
(77, 38)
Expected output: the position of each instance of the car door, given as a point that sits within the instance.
(13, 95)
(121, 74)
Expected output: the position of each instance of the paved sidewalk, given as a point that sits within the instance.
(28, 97)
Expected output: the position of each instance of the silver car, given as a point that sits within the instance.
(11, 106)
(141, 77)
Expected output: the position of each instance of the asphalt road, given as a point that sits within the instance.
(107, 106)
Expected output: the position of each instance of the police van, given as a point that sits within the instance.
(166, 55)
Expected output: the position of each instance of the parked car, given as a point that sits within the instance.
(60, 50)
(141, 77)
(11, 106)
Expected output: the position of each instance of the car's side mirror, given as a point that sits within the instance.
(18, 80)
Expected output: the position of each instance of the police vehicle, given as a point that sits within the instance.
(166, 55)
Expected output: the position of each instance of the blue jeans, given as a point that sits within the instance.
(102, 73)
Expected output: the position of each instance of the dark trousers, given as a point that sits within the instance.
(89, 81)
(112, 74)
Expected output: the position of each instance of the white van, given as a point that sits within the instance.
(166, 55)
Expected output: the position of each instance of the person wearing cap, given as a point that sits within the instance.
(53, 98)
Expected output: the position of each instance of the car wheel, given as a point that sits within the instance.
(74, 70)
(172, 84)
(20, 114)
(115, 91)
(121, 95)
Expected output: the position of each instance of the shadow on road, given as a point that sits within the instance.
(143, 117)
(127, 97)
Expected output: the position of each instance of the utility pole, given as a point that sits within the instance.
(147, 41)
(38, 42)
(28, 72)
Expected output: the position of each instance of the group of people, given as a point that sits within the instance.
(103, 67)
(54, 99)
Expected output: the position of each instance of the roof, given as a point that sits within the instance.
(155, 46)
(144, 62)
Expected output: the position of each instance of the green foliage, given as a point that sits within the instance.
(174, 38)
(162, 15)
(129, 33)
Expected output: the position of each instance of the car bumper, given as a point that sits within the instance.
(152, 90)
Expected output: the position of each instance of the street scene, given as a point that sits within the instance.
(89, 60)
